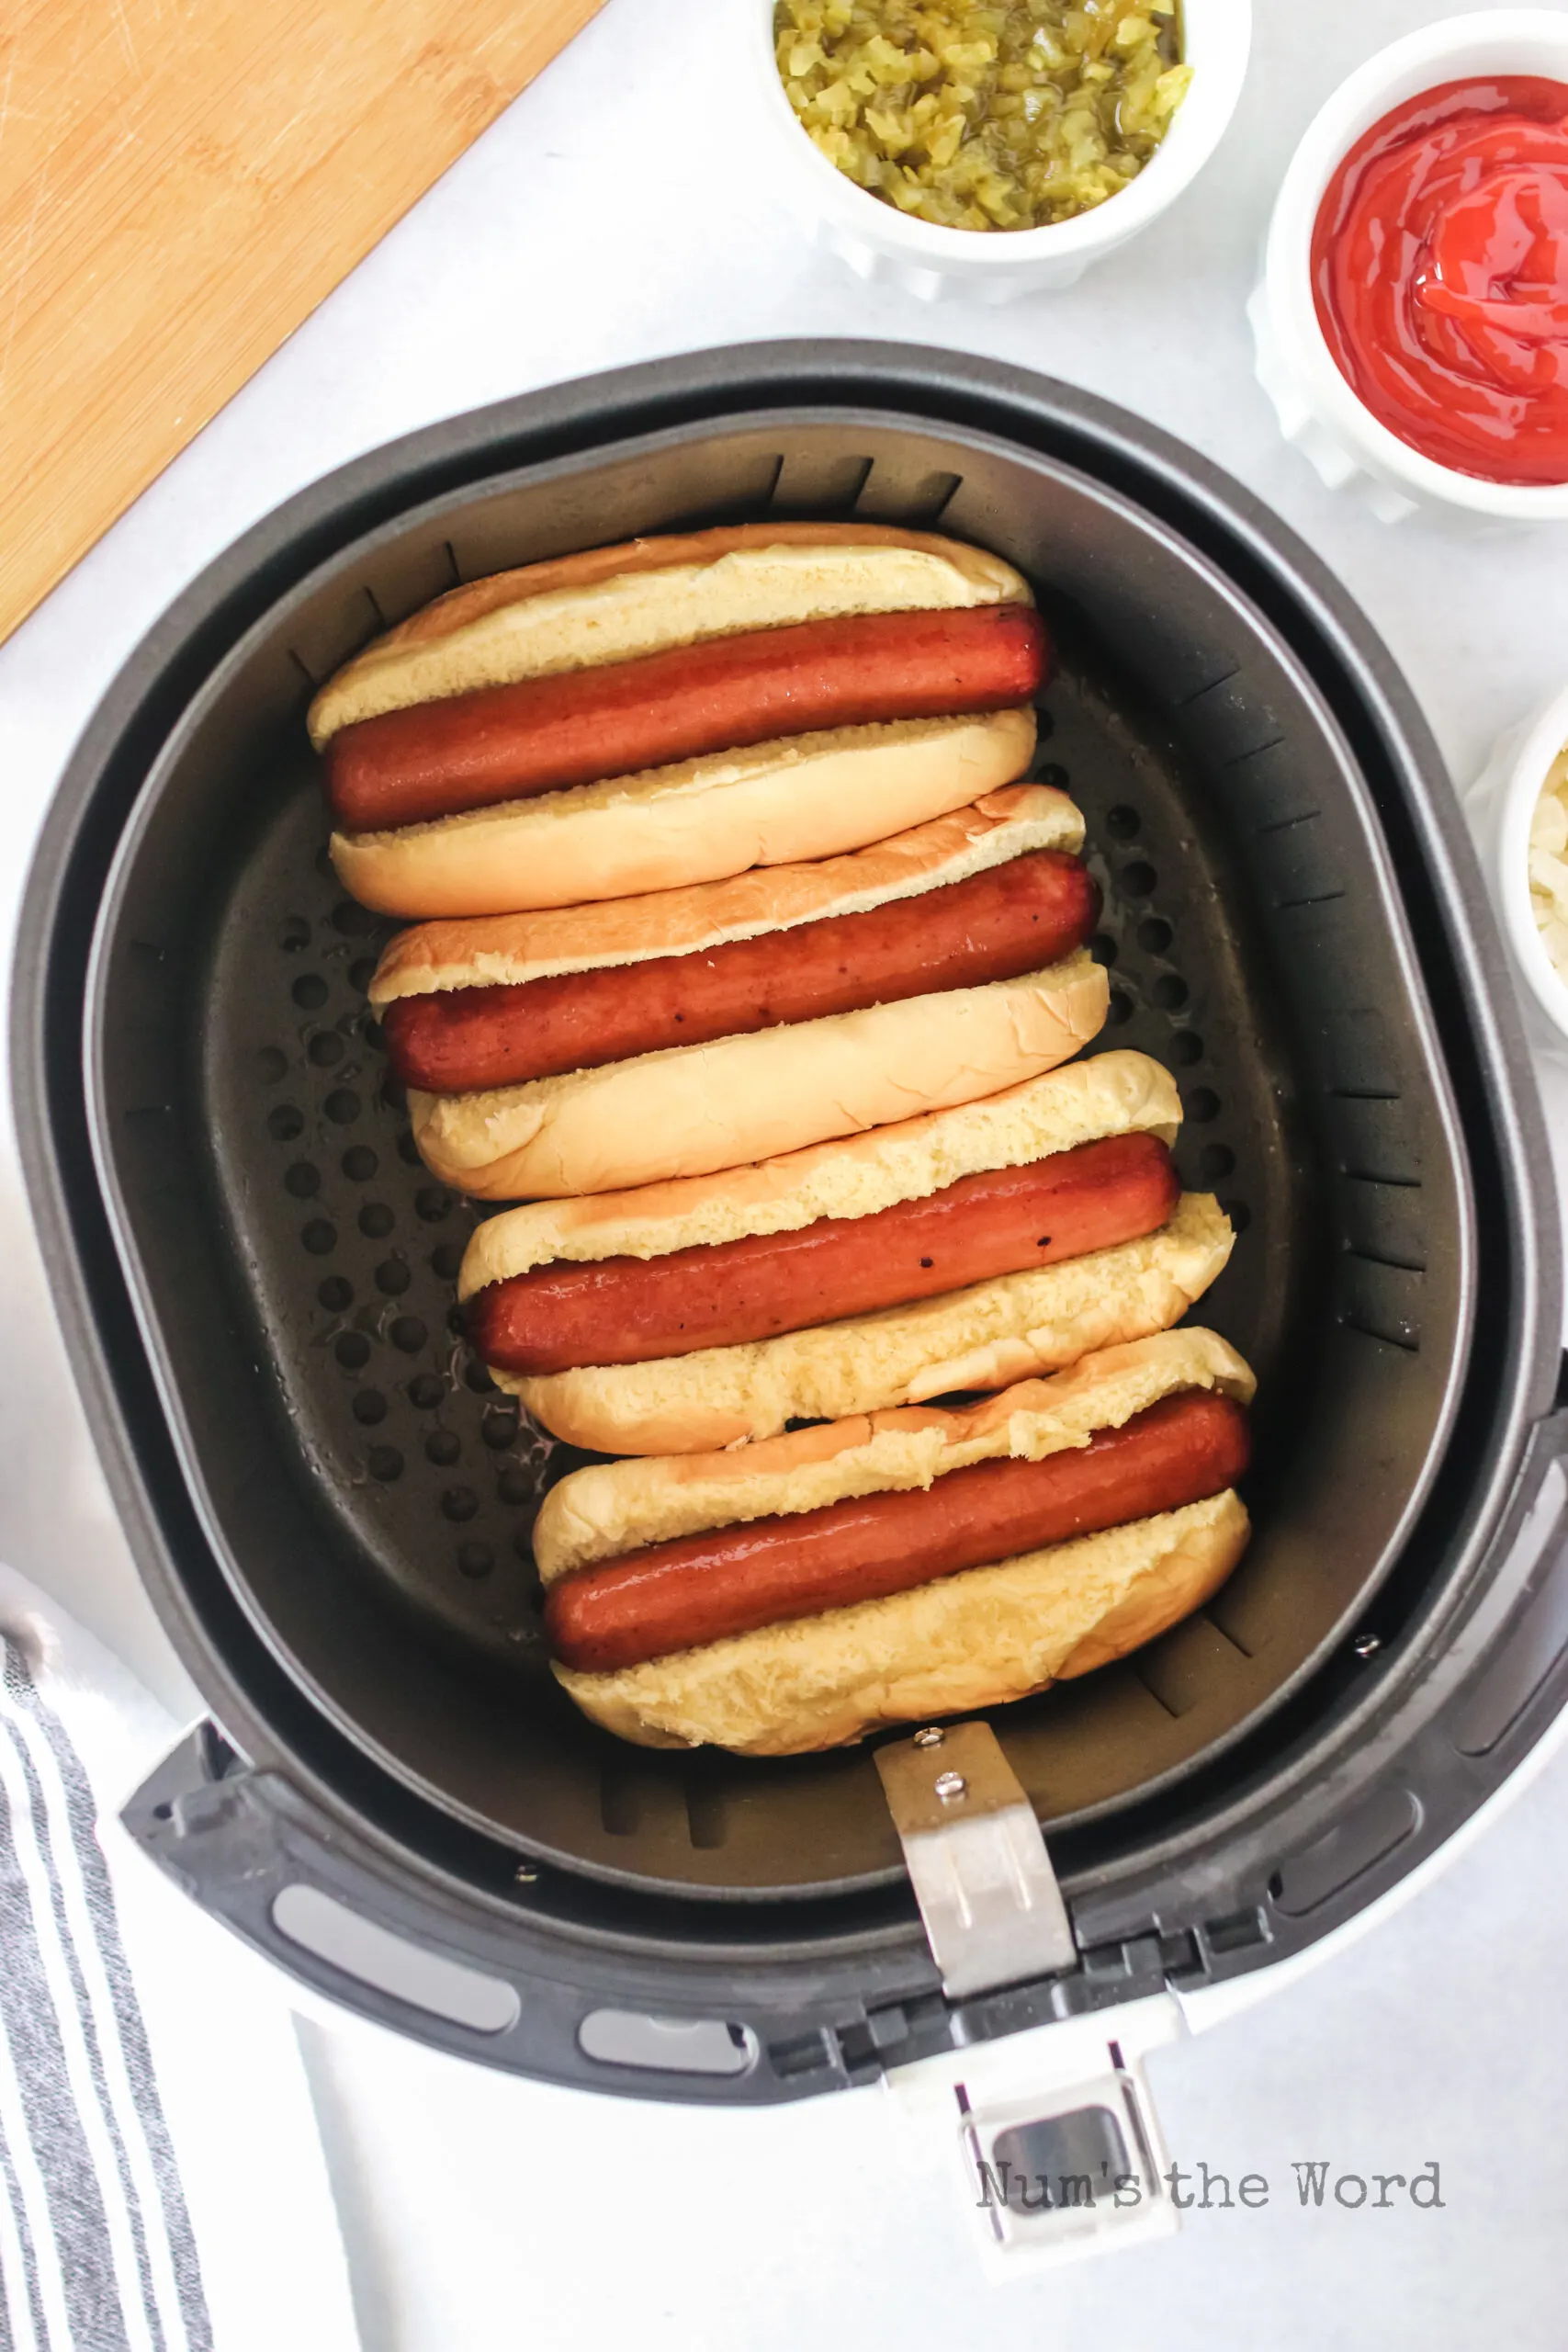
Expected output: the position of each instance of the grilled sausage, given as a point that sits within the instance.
(508, 742)
(633, 1310)
(994, 926)
(701, 1589)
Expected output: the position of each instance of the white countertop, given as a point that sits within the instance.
(614, 214)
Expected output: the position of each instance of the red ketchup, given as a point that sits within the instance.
(1439, 263)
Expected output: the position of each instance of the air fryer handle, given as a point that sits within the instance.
(1520, 1629)
(258, 1854)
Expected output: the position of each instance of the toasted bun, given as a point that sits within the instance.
(615, 604)
(689, 1109)
(974, 1640)
(615, 1506)
(702, 820)
(507, 951)
(1113, 1094)
(984, 1338)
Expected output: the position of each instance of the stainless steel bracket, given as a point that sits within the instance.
(989, 1896)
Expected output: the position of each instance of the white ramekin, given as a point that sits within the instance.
(1316, 407)
(877, 242)
(1500, 804)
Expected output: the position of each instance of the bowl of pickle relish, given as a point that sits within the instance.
(996, 146)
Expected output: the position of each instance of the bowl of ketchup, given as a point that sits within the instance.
(1412, 323)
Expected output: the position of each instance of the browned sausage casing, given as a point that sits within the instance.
(991, 927)
(506, 743)
(676, 1596)
(631, 1310)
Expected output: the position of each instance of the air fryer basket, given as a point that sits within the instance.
(295, 1263)
(334, 1501)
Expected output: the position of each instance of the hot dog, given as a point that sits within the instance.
(684, 1112)
(803, 1591)
(675, 1596)
(708, 1027)
(510, 742)
(1011, 920)
(682, 1316)
(615, 603)
(983, 1337)
(703, 821)
(630, 1310)
(674, 711)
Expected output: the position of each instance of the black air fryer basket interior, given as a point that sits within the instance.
(333, 1502)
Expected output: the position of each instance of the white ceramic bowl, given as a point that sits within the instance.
(1500, 804)
(1317, 408)
(877, 241)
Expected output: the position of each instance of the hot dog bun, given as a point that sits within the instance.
(806, 796)
(616, 604)
(984, 1338)
(687, 1110)
(611, 1508)
(976, 1640)
(855, 1176)
(511, 950)
(1017, 915)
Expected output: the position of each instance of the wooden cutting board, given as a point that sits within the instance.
(181, 182)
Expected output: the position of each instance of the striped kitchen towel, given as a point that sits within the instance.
(96, 2245)
(162, 2187)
